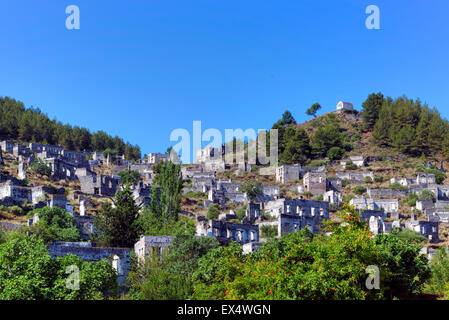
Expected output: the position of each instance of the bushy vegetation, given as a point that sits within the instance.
(305, 266)
(54, 224)
(27, 272)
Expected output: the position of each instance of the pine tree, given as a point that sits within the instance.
(422, 130)
(117, 226)
(371, 109)
(381, 131)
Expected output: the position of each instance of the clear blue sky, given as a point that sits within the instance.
(139, 69)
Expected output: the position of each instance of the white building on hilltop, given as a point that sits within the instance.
(341, 105)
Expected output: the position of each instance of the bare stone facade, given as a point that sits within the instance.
(288, 173)
(226, 232)
(152, 244)
(388, 205)
(355, 177)
(315, 183)
(99, 185)
(118, 257)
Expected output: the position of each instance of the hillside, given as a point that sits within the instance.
(26, 125)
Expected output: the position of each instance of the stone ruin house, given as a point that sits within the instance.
(386, 193)
(316, 183)
(118, 257)
(428, 229)
(375, 220)
(403, 181)
(292, 215)
(333, 197)
(388, 205)
(355, 177)
(288, 173)
(226, 232)
(7, 146)
(203, 182)
(154, 158)
(334, 184)
(424, 204)
(99, 185)
(152, 244)
(425, 178)
(359, 161)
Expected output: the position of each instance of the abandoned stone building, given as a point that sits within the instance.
(425, 178)
(403, 181)
(288, 173)
(99, 185)
(118, 257)
(268, 193)
(148, 245)
(335, 184)
(315, 182)
(428, 229)
(295, 215)
(333, 197)
(57, 200)
(388, 205)
(424, 204)
(7, 146)
(386, 193)
(154, 158)
(355, 177)
(61, 170)
(300, 207)
(142, 194)
(359, 161)
(215, 165)
(226, 232)
(375, 220)
(209, 153)
(203, 182)
(438, 215)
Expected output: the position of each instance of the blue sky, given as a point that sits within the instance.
(140, 69)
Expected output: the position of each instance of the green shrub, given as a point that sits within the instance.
(213, 211)
(359, 190)
(427, 195)
(378, 178)
(335, 153)
(39, 166)
(350, 166)
(397, 186)
(368, 180)
(268, 231)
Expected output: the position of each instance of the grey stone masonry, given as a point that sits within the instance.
(377, 193)
(119, 257)
(289, 173)
(355, 177)
(226, 232)
(99, 185)
(152, 244)
(315, 182)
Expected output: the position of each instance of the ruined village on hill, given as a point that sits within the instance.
(289, 198)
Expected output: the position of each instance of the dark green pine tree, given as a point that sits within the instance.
(381, 131)
(117, 226)
(371, 109)
(422, 130)
(297, 148)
